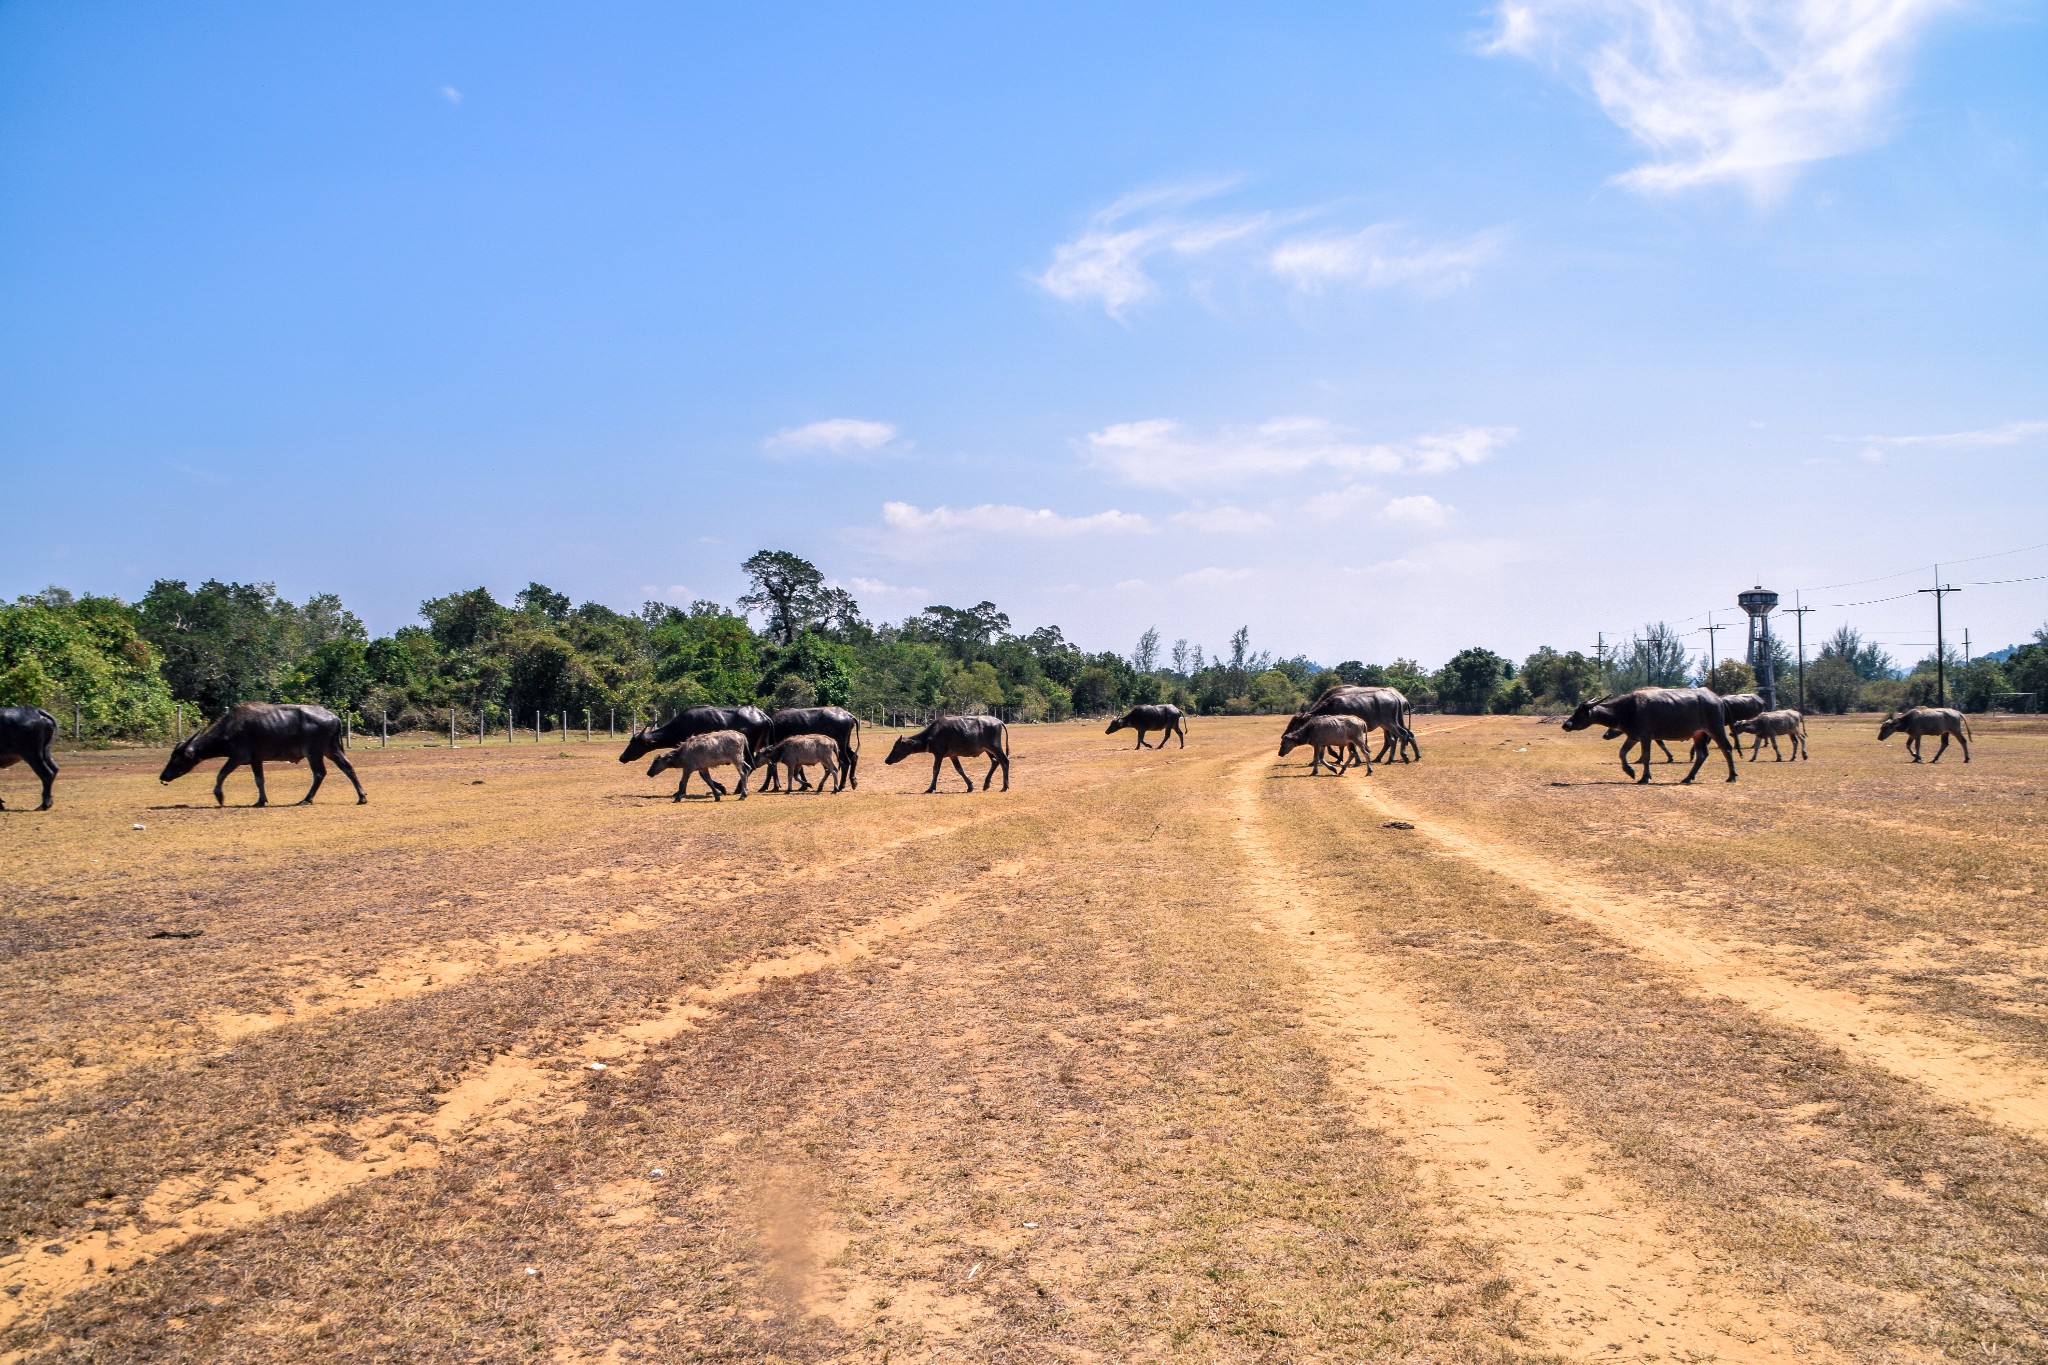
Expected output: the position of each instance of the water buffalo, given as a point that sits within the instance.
(1146, 719)
(26, 733)
(1918, 722)
(702, 753)
(799, 752)
(1655, 713)
(837, 723)
(1381, 708)
(1773, 726)
(1743, 706)
(1341, 733)
(958, 737)
(750, 721)
(259, 732)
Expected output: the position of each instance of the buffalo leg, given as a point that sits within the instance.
(1699, 756)
(1626, 745)
(1645, 741)
(937, 763)
(682, 787)
(220, 781)
(995, 757)
(319, 767)
(1913, 746)
(41, 765)
(1720, 735)
(348, 770)
(717, 787)
(1942, 750)
(744, 770)
(1963, 740)
(1180, 730)
(963, 772)
(1777, 754)
(262, 795)
(1141, 744)
(1666, 748)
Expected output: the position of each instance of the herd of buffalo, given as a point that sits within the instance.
(787, 744)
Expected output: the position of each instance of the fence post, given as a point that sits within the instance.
(586, 725)
(451, 727)
(77, 723)
(611, 722)
(178, 730)
(383, 729)
(536, 725)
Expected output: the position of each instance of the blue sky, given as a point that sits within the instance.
(1386, 329)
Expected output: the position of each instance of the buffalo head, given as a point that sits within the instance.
(1115, 726)
(637, 745)
(1583, 718)
(181, 761)
(1891, 726)
(903, 748)
(1289, 742)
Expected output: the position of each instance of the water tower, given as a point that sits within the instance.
(1758, 602)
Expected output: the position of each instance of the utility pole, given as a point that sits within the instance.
(1600, 655)
(1966, 646)
(1712, 630)
(1799, 624)
(1940, 650)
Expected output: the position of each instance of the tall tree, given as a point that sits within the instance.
(1146, 656)
(788, 590)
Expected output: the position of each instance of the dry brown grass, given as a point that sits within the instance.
(868, 1040)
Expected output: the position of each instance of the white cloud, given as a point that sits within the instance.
(992, 518)
(1378, 258)
(875, 587)
(1747, 91)
(834, 436)
(451, 94)
(1339, 503)
(1157, 453)
(1419, 510)
(1112, 261)
(1225, 519)
(2012, 433)
(1212, 577)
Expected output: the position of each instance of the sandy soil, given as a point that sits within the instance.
(1162, 1055)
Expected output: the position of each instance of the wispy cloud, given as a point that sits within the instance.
(1004, 519)
(1159, 453)
(834, 436)
(1113, 262)
(2012, 433)
(1418, 510)
(1743, 91)
(875, 587)
(1226, 519)
(451, 94)
(1381, 257)
(1212, 577)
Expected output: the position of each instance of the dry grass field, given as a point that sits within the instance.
(1160, 1056)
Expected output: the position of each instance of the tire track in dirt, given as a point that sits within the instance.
(1585, 1246)
(512, 1093)
(1993, 1083)
(441, 966)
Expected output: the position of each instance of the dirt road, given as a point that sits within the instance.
(1176, 1055)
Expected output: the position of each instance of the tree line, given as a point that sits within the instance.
(121, 670)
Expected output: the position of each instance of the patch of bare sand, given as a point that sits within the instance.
(1604, 1278)
(1992, 1082)
(313, 1165)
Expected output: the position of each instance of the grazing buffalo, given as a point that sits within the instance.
(259, 732)
(26, 733)
(1918, 722)
(1743, 706)
(1381, 708)
(1773, 726)
(1657, 713)
(958, 737)
(1614, 732)
(702, 753)
(799, 752)
(1146, 719)
(750, 721)
(835, 722)
(1343, 734)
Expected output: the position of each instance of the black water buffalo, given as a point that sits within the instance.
(958, 737)
(1918, 722)
(1773, 726)
(835, 722)
(699, 754)
(1736, 706)
(259, 732)
(1146, 719)
(1346, 735)
(750, 721)
(1381, 708)
(26, 733)
(1655, 713)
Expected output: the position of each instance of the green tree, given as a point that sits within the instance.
(789, 591)
(1866, 661)
(1832, 685)
(704, 655)
(83, 659)
(1273, 693)
(826, 665)
(1560, 679)
(1732, 676)
(1095, 692)
(1656, 657)
(1467, 683)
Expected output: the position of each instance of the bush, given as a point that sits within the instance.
(1272, 693)
(1832, 686)
(1731, 676)
(1513, 699)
